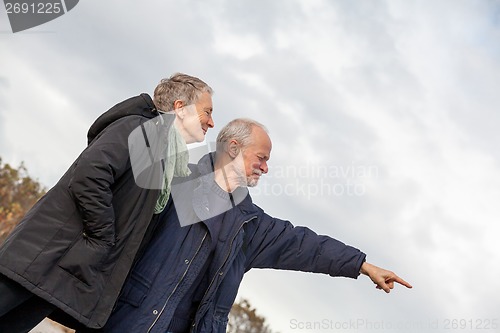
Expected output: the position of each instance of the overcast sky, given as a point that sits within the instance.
(383, 115)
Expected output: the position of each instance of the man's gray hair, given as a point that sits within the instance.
(179, 86)
(239, 129)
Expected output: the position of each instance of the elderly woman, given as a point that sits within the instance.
(70, 254)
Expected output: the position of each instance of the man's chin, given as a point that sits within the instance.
(252, 182)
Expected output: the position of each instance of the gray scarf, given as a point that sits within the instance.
(175, 165)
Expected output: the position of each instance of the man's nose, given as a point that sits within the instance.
(263, 167)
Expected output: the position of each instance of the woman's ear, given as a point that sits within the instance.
(179, 108)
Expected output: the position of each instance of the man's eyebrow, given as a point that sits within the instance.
(262, 155)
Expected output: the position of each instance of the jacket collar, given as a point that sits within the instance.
(240, 198)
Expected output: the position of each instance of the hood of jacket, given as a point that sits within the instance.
(139, 105)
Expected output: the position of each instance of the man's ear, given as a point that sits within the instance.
(233, 148)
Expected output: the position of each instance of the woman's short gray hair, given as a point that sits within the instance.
(179, 86)
(239, 129)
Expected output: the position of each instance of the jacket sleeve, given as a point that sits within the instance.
(95, 172)
(274, 243)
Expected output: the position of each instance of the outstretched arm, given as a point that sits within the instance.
(384, 279)
(275, 243)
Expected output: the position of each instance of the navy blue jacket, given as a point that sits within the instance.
(249, 238)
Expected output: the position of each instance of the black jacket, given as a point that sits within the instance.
(75, 247)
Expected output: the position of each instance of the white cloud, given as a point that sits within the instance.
(241, 47)
(407, 87)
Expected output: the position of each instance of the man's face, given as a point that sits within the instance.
(198, 120)
(256, 155)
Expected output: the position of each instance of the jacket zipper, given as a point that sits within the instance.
(225, 260)
(177, 285)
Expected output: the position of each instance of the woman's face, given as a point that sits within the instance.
(197, 119)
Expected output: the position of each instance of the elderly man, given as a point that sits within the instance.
(211, 234)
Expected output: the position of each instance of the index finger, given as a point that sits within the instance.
(402, 282)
